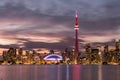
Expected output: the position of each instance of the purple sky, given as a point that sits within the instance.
(49, 24)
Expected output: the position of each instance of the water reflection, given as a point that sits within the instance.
(67, 73)
(60, 72)
(76, 72)
(117, 72)
(100, 72)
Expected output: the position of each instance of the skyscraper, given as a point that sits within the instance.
(117, 42)
(76, 28)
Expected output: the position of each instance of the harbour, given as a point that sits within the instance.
(59, 72)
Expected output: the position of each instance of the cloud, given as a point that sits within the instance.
(50, 24)
(111, 8)
(87, 9)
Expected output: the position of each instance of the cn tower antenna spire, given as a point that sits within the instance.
(76, 17)
(76, 28)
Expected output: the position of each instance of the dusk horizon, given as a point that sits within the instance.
(47, 25)
(60, 40)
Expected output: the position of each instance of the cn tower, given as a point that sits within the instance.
(76, 28)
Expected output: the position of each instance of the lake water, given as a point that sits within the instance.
(59, 72)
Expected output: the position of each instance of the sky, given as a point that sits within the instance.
(49, 24)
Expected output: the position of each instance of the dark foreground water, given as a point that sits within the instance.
(59, 72)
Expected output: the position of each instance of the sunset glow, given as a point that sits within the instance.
(38, 24)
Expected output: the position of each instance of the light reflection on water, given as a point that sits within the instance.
(67, 72)
(59, 72)
(99, 72)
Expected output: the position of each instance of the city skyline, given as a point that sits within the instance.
(50, 24)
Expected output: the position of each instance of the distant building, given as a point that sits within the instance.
(20, 51)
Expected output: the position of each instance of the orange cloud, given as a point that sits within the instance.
(99, 38)
(48, 39)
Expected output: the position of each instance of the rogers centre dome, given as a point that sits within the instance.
(53, 57)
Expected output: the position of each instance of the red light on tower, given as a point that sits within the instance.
(76, 27)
